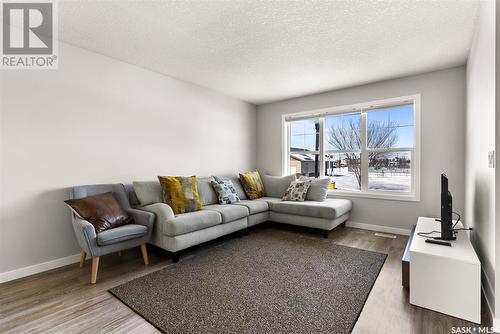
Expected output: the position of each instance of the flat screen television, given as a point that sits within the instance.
(446, 210)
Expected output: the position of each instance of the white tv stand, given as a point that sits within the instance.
(442, 278)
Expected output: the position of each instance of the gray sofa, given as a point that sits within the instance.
(175, 233)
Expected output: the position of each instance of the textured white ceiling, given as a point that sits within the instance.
(262, 51)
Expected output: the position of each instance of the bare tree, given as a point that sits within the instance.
(347, 136)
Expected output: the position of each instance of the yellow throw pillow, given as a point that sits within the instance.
(252, 184)
(180, 193)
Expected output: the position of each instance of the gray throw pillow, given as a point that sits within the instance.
(297, 191)
(148, 192)
(318, 189)
(276, 186)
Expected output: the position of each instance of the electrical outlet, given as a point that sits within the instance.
(491, 159)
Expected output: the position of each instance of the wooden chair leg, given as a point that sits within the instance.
(144, 251)
(83, 255)
(95, 268)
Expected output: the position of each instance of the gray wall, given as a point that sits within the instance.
(443, 126)
(98, 120)
(480, 138)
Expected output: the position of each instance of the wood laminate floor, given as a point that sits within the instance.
(63, 301)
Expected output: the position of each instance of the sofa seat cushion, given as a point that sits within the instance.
(331, 208)
(229, 212)
(270, 201)
(254, 206)
(122, 233)
(191, 221)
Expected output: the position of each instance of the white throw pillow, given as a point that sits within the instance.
(297, 191)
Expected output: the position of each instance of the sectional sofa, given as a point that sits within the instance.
(175, 233)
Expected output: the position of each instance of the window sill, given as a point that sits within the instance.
(374, 195)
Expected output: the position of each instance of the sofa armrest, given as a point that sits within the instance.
(142, 217)
(162, 211)
(85, 235)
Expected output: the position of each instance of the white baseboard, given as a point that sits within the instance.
(378, 228)
(38, 268)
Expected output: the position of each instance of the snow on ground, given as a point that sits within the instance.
(376, 181)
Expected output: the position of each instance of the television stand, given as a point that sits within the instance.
(445, 279)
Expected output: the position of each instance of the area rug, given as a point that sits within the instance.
(271, 281)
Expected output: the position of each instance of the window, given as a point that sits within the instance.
(304, 147)
(368, 150)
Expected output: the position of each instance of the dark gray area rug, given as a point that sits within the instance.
(271, 281)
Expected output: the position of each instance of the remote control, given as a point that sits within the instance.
(437, 242)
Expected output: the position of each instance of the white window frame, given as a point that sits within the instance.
(362, 108)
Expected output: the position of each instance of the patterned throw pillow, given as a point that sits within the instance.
(225, 191)
(297, 191)
(252, 184)
(180, 193)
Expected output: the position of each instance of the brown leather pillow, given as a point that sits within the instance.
(102, 211)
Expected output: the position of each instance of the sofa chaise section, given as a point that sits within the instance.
(324, 215)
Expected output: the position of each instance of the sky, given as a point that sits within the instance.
(303, 132)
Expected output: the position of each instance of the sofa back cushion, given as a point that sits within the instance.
(148, 192)
(206, 191)
(235, 179)
(103, 211)
(180, 193)
(318, 189)
(276, 186)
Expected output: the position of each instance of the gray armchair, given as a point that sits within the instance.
(113, 240)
